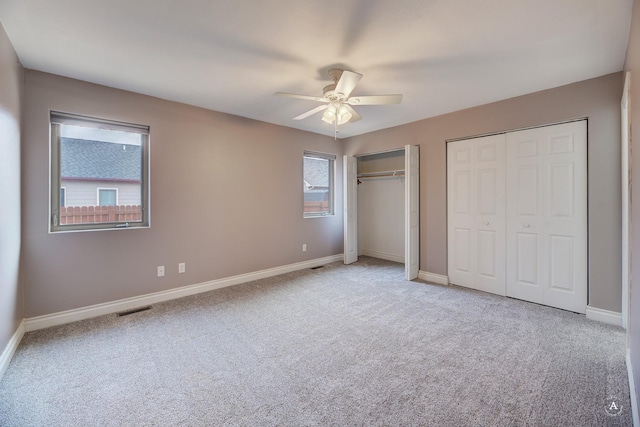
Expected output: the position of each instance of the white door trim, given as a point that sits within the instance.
(625, 163)
(412, 211)
(350, 220)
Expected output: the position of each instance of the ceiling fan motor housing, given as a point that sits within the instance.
(329, 92)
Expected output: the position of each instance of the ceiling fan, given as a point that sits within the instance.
(338, 100)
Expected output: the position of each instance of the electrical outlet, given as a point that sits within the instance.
(182, 267)
(304, 247)
(160, 270)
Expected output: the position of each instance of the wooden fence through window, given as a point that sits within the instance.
(316, 206)
(99, 214)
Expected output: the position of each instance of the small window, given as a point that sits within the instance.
(318, 178)
(107, 196)
(99, 173)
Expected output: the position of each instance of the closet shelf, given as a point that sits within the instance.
(381, 174)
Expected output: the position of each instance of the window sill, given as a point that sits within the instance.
(318, 215)
(114, 227)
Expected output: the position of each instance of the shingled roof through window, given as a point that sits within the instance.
(316, 172)
(81, 158)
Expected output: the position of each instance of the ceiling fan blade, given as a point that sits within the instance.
(375, 100)
(354, 115)
(348, 81)
(311, 112)
(308, 97)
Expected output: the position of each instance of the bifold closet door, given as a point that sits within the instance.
(476, 213)
(547, 215)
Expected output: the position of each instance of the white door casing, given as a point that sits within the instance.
(476, 213)
(412, 211)
(547, 215)
(625, 163)
(350, 221)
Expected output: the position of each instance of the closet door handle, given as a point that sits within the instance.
(526, 225)
(486, 223)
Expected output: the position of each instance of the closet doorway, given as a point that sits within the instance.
(382, 207)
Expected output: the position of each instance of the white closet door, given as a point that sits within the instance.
(547, 215)
(476, 213)
(412, 211)
(350, 218)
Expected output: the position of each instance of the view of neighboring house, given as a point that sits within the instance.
(96, 173)
(317, 173)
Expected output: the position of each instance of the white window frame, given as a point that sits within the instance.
(332, 168)
(107, 189)
(59, 118)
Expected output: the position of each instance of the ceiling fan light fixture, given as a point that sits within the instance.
(344, 115)
(328, 117)
(330, 114)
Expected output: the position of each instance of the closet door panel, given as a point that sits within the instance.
(566, 219)
(487, 253)
(547, 226)
(522, 209)
(461, 255)
(526, 188)
(562, 261)
(523, 263)
(461, 207)
(462, 190)
(476, 218)
(487, 192)
(490, 214)
(561, 190)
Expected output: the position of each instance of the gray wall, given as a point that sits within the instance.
(633, 64)
(598, 99)
(11, 295)
(226, 198)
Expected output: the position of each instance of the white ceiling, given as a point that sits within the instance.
(232, 55)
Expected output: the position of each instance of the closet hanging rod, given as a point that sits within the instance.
(381, 174)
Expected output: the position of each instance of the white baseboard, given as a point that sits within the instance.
(632, 392)
(605, 316)
(11, 348)
(48, 320)
(382, 255)
(433, 278)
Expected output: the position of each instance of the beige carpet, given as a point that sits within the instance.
(342, 345)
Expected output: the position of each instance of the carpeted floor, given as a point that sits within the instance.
(341, 346)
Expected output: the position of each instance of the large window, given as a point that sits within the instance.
(318, 177)
(99, 173)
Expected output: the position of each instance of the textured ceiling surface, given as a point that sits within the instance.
(232, 55)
